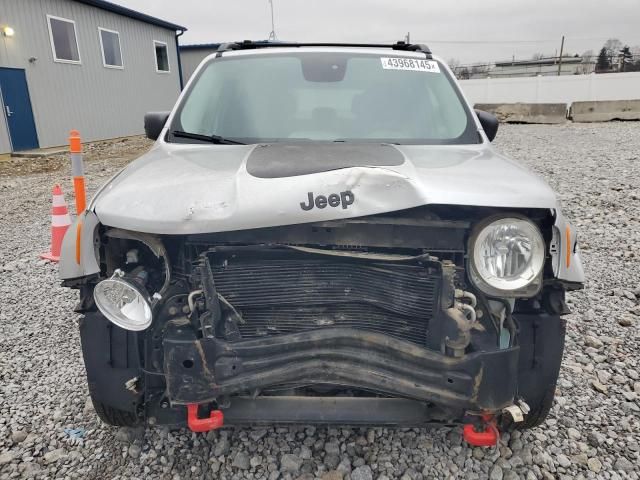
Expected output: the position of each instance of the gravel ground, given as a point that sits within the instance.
(48, 428)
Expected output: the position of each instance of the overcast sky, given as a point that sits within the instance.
(469, 30)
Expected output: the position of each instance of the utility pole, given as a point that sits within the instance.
(272, 35)
(560, 60)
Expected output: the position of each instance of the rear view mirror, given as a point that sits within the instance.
(489, 123)
(154, 123)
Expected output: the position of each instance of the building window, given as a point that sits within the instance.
(64, 41)
(111, 51)
(162, 56)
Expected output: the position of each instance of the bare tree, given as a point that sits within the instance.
(611, 49)
(613, 45)
(635, 57)
(625, 59)
(588, 64)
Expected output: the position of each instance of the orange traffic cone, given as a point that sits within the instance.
(60, 221)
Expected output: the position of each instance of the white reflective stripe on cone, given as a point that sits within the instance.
(60, 220)
(58, 201)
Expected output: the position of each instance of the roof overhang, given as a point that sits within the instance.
(127, 12)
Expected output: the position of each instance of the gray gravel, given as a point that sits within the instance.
(49, 430)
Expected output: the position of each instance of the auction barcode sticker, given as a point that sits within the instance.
(414, 64)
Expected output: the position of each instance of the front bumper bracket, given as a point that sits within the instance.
(200, 370)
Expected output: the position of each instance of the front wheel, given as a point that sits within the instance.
(113, 416)
(111, 360)
(541, 338)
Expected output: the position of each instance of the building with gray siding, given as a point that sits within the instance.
(89, 65)
(540, 66)
(192, 55)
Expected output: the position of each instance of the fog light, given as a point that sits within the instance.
(123, 302)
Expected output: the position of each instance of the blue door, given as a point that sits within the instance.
(14, 99)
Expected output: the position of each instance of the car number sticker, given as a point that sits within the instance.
(414, 64)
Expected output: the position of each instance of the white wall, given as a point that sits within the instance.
(562, 89)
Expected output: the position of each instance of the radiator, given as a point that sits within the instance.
(280, 296)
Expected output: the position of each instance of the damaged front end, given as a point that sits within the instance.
(371, 320)
(274, 319)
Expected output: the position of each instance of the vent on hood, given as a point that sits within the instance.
(290, 160)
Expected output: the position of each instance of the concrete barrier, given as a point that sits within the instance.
(526, 112)
(604, 111)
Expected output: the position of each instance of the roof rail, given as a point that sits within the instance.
(249, 45)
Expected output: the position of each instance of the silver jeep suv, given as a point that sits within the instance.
(323, 233)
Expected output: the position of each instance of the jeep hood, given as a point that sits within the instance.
(188, 189)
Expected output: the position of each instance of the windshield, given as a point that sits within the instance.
(319, 96)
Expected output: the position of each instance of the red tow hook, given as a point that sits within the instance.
(215, 420)
(488, 437)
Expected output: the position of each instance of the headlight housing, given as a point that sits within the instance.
(506, 257)
(123, 302)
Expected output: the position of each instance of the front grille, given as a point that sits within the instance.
(279, 296)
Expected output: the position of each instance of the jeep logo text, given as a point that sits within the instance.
(334, 200)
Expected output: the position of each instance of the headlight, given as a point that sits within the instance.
(507, 257)
(123, 302)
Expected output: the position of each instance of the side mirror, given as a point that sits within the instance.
(154, 123)
(489, 123)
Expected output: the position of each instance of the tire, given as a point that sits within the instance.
(541, 338)
(113, 416)
(539, 412)
(111, 360)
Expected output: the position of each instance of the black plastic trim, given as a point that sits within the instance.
(281, 160)
(154, 123)
(334, 410)
(248, 44)
(111, 358)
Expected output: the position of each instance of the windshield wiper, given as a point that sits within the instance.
(217, 139)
